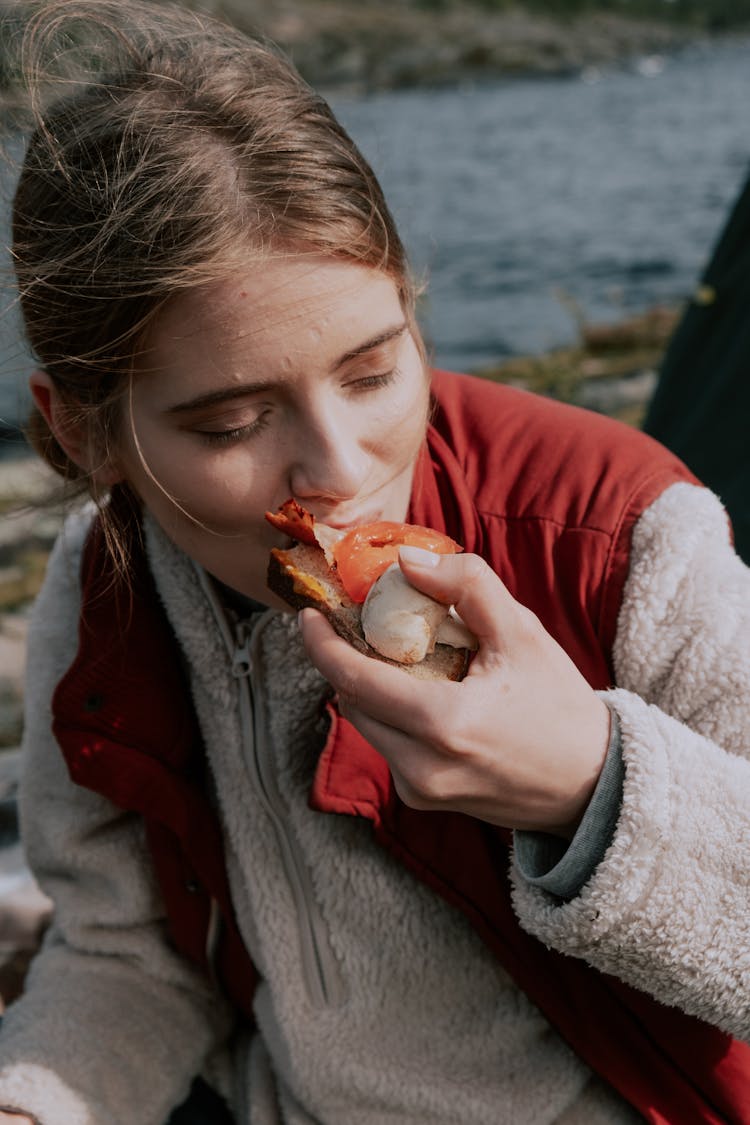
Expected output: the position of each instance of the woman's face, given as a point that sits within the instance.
(300, 378)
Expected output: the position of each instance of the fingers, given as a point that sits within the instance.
(468, 583)
(386, 693)
(404, 718)
(424, 777)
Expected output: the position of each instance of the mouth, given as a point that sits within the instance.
(386, 501)
(330, 528)
(351, 521)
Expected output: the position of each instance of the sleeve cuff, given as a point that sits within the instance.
(562, 868)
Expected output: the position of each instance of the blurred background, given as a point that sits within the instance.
(560, 170)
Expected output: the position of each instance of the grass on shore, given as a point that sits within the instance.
(707, 15)
(388, 44)
(607, 353)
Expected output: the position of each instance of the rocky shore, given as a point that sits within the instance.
(29, 522)
(372, 45)
(612, 369)
(389, 45)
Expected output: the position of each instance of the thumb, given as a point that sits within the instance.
(466, 582)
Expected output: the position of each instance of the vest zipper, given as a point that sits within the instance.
(320, 967)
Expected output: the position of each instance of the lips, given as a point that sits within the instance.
(299, 524)
(389, 506)
(347, 525)
(346, 522)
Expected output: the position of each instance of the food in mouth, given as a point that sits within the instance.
(352, 576)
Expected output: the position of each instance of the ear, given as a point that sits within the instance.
(69, 430)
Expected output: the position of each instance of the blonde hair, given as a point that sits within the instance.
(162, 144)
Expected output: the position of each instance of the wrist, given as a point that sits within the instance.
(561, 868)
(596, 742)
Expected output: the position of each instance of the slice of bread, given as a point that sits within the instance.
(302, 577)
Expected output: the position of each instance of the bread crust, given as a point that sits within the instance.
(302, 577)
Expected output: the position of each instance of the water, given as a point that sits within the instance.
(604, 191)
(531, 202)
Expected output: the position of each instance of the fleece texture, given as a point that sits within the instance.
(667, 909)
(343, 1026)
(112, 1026)
(378, 1003)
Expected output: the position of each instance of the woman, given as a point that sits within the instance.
(275, 862)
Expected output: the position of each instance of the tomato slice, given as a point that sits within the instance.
(365, 552)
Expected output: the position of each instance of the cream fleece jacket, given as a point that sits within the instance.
(667, 910)
(400, 1015)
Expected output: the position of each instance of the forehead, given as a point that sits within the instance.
(280, 306)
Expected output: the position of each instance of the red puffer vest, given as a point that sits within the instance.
(549, 496)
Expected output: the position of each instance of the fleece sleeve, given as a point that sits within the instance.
(667, 907)
(113, 1026)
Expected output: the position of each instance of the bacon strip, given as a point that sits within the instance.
(292, 520)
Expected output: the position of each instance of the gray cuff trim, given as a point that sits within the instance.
(562, 868)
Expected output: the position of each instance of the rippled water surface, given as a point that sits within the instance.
(525, 201)
(605, 190)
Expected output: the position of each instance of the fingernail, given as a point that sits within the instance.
(417, 556)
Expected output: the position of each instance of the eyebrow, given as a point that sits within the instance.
(370, 345)
(227, 394)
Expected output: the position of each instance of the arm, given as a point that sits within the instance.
(109, 1014)
(667, 909)
(520, 743)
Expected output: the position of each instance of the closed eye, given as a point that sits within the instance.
(236, 433)
(372, 382)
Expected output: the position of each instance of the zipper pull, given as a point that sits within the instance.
(241, 659)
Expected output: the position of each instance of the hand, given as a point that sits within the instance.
(11, 1118)
(520, 742)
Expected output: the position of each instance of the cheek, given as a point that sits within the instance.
(404, 438)
(218, 524)
(183, 484)
(224, 494)
(404, 418)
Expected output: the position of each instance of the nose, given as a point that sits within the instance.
(329, 460)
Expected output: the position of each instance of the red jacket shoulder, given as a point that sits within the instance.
(529, 457)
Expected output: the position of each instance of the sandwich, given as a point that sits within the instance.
(353, 577)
